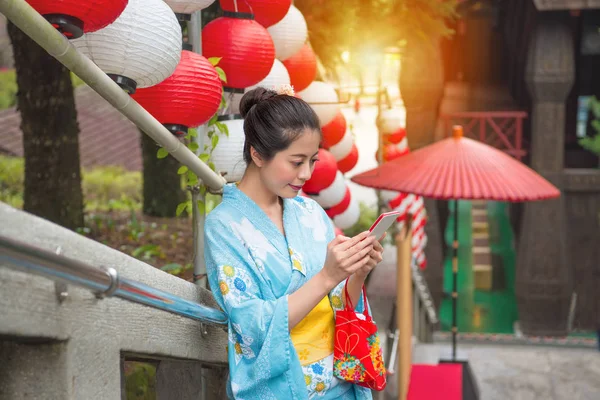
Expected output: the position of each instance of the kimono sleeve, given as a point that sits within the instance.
(259, 339)
(336, 295)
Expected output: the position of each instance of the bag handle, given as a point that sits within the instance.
(349, 305)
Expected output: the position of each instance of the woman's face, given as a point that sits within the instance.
(286, 173)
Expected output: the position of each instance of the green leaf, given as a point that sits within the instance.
(192, 180)
(143, 249)
(221, 127)
(193, 146)
(214, 141)
(213, 120)
(223, 102)
(203, 190)
(182, 170)
(221, 74)
(162, 153)
(171, 267)
(211, 165)
(188, 207)
(204, 157)
(201, 207)
(180, 209)
(214, 60)
(192, 132)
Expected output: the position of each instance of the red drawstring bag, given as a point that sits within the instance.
(357, 354)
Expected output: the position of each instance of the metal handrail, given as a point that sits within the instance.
(43, 33)
(103, 281)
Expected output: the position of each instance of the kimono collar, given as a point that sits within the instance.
(248, 208)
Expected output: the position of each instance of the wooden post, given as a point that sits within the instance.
(404, 308)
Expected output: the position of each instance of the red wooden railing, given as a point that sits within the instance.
(500, 129)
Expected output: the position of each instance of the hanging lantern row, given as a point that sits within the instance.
(338, 203)
(289, 34)
(141, 48)
(302, 68)
(265, 12)
(338, 139)
(334, 131)
(349, 217)
(245, 47)
(329, 188)
(73, 18)
(323, 175)
(323, 99)
(188, 98)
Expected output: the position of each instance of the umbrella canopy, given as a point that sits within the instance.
(460, 168)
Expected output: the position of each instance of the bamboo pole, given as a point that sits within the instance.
(404, 306)
(39, 30)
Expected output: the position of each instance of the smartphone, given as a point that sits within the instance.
(383, 223)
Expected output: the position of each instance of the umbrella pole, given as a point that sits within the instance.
(455, 281)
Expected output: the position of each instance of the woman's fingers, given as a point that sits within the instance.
(358, 255)
(354, 241)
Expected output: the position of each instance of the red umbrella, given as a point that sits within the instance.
(459, 168)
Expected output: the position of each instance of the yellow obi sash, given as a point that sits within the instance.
(313, 336)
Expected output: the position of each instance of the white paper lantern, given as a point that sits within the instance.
(277, 77)
(403, 145)
(289, 34)
(342, 149)
(348, 218)
(228, 155)
(142, 45)
(188, 6)
(388, 195)
(392, 119)
(332, 195)
(323, 98)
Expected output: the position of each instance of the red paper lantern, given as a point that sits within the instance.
(188, 98)
(245, 46)
(323, 175)
(341, 206)
(334, 131)
(73, 18)
(347, 163)
(395, 137)
(266, 12)
(302, 68)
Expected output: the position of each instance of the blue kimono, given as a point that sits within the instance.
(252, 268)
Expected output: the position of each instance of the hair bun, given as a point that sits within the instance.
(253, 97)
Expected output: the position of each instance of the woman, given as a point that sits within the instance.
(275, 265)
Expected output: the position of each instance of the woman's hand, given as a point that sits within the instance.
(346, 256)
(375, 257)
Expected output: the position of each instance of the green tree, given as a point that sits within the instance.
(337, 26)
(50, 134)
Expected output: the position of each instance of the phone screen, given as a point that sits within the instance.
(383, 223)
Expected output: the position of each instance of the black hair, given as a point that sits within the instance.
(273, 121)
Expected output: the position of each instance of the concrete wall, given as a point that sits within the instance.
(75, 349)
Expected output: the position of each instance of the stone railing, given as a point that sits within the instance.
(64, 342)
